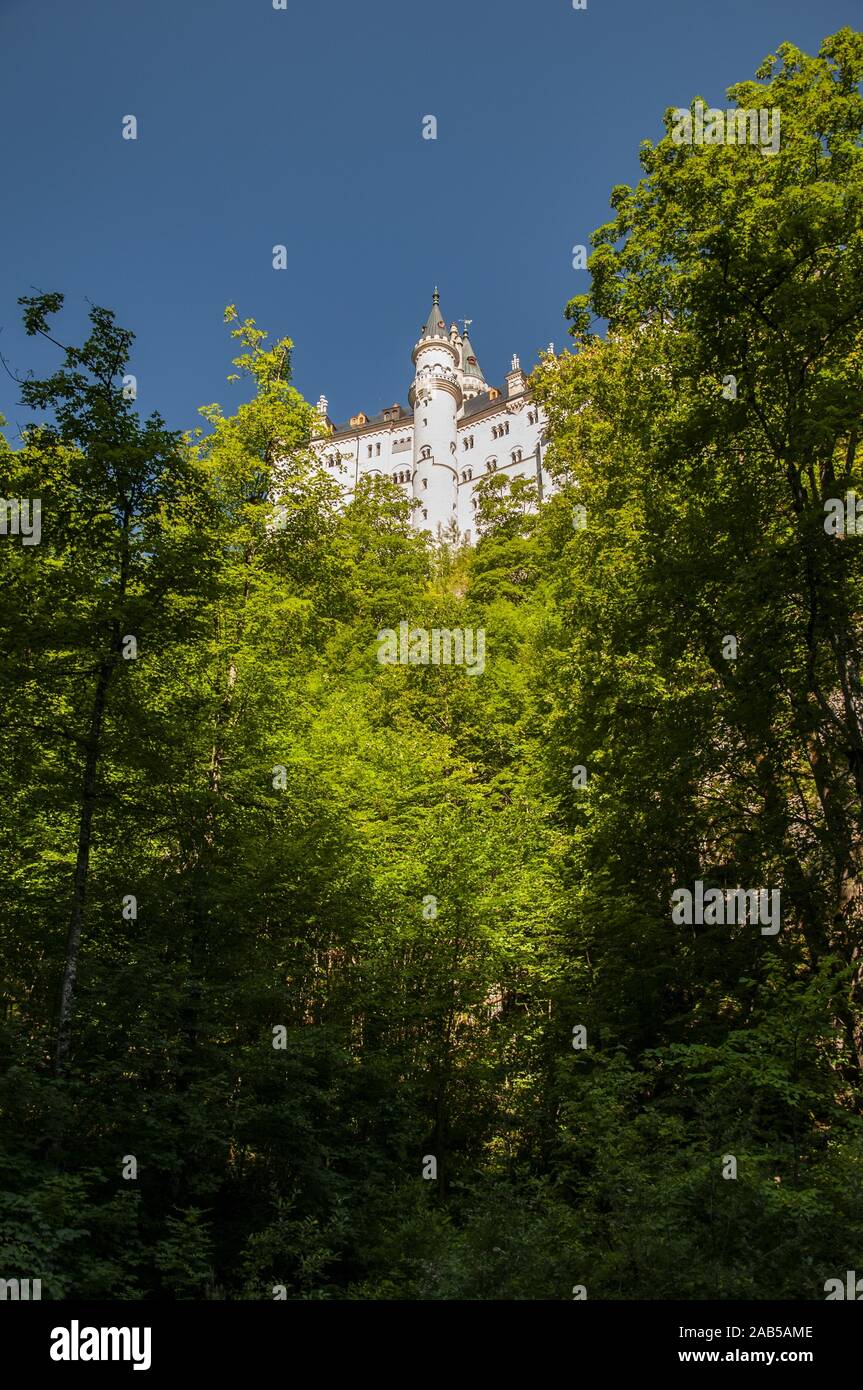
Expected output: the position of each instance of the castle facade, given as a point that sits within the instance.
(455, 431)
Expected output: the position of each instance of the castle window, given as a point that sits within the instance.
(425, 452)
(425, 482)
(516, 456)
(378, 450)
(425, 515)
(490, 465)
(369, 451)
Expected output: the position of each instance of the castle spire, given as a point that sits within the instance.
(469, 364)
(435, 326)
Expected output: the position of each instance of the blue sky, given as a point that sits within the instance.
(304, 127)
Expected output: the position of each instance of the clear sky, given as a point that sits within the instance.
(304, 127)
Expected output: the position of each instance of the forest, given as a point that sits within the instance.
(327, 978)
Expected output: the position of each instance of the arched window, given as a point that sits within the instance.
(425, 452)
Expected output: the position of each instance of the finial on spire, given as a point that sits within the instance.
(436, 296)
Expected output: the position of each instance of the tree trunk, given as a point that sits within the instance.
(82, 863)
(85, 824)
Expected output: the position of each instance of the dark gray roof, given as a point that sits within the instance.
(382, 418)
(480, 402)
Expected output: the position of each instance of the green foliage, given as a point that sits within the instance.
(281, 806)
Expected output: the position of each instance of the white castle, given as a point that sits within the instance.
(457, 431)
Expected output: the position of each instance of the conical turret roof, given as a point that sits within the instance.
(435, 326)
(469, 365)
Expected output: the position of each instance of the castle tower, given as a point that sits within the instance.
(436, 398)
(473, 381)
